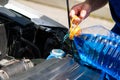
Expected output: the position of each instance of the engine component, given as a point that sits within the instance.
(14, 68)
(17, 27)
(59, 69)
(3, 75)
(3, 40)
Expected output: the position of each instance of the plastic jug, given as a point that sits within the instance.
(100, 49)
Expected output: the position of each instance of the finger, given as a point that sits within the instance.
(76, 19)
(72, 13)
(83, 13)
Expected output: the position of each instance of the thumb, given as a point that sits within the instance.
(72, 13)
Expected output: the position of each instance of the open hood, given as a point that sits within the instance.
(37, 17)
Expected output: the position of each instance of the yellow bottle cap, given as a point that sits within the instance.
(75, 29)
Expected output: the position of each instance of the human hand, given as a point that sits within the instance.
(82, 10)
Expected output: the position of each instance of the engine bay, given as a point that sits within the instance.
(22, 40)
(25, 45)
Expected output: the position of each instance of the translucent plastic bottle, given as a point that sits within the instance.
(102, 52)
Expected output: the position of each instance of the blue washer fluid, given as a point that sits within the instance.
(102, 52)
